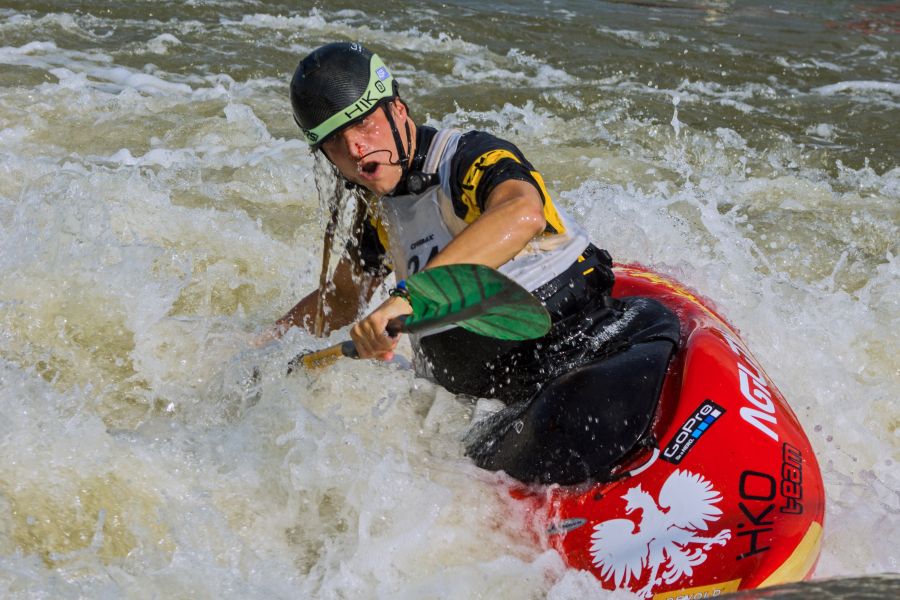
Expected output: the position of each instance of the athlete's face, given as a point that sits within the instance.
(366, 153)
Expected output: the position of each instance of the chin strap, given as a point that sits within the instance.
(402, 153)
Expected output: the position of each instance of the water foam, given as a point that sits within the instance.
(165, 218)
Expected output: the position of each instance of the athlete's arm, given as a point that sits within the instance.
(352, 289)
(513, 216)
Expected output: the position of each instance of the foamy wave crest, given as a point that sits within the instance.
(735, 96)
(161, 43)
(314, 20)
(644, 39)
(481, 68)
(19, 21)
(120, 78)
(889, 87)
(350, 25)
(472, 62)
(76, 69)
(812, 63)
(520, 122)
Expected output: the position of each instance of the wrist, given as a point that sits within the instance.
(401, 292)
(399, 301)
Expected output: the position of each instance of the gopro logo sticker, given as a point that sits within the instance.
(697, 424)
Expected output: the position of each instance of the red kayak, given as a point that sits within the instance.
(728, 494)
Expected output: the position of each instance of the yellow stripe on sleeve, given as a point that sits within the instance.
(473, 178)
(554, 222)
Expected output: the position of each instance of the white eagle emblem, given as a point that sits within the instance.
(620, 553)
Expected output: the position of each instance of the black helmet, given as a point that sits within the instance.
(337, 85)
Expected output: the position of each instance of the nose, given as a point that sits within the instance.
(351, 141)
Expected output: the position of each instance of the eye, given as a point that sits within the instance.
(331, 143)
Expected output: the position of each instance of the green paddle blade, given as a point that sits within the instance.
(476, 298)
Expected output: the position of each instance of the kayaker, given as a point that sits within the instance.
(579, 399)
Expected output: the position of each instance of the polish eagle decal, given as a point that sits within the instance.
(663, 537)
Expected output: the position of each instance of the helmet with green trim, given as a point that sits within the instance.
(336, 86)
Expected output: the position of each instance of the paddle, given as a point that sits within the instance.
(474, 297)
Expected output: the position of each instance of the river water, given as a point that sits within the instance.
(157, 209)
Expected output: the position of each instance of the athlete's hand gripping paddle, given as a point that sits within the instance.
(474, 297)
